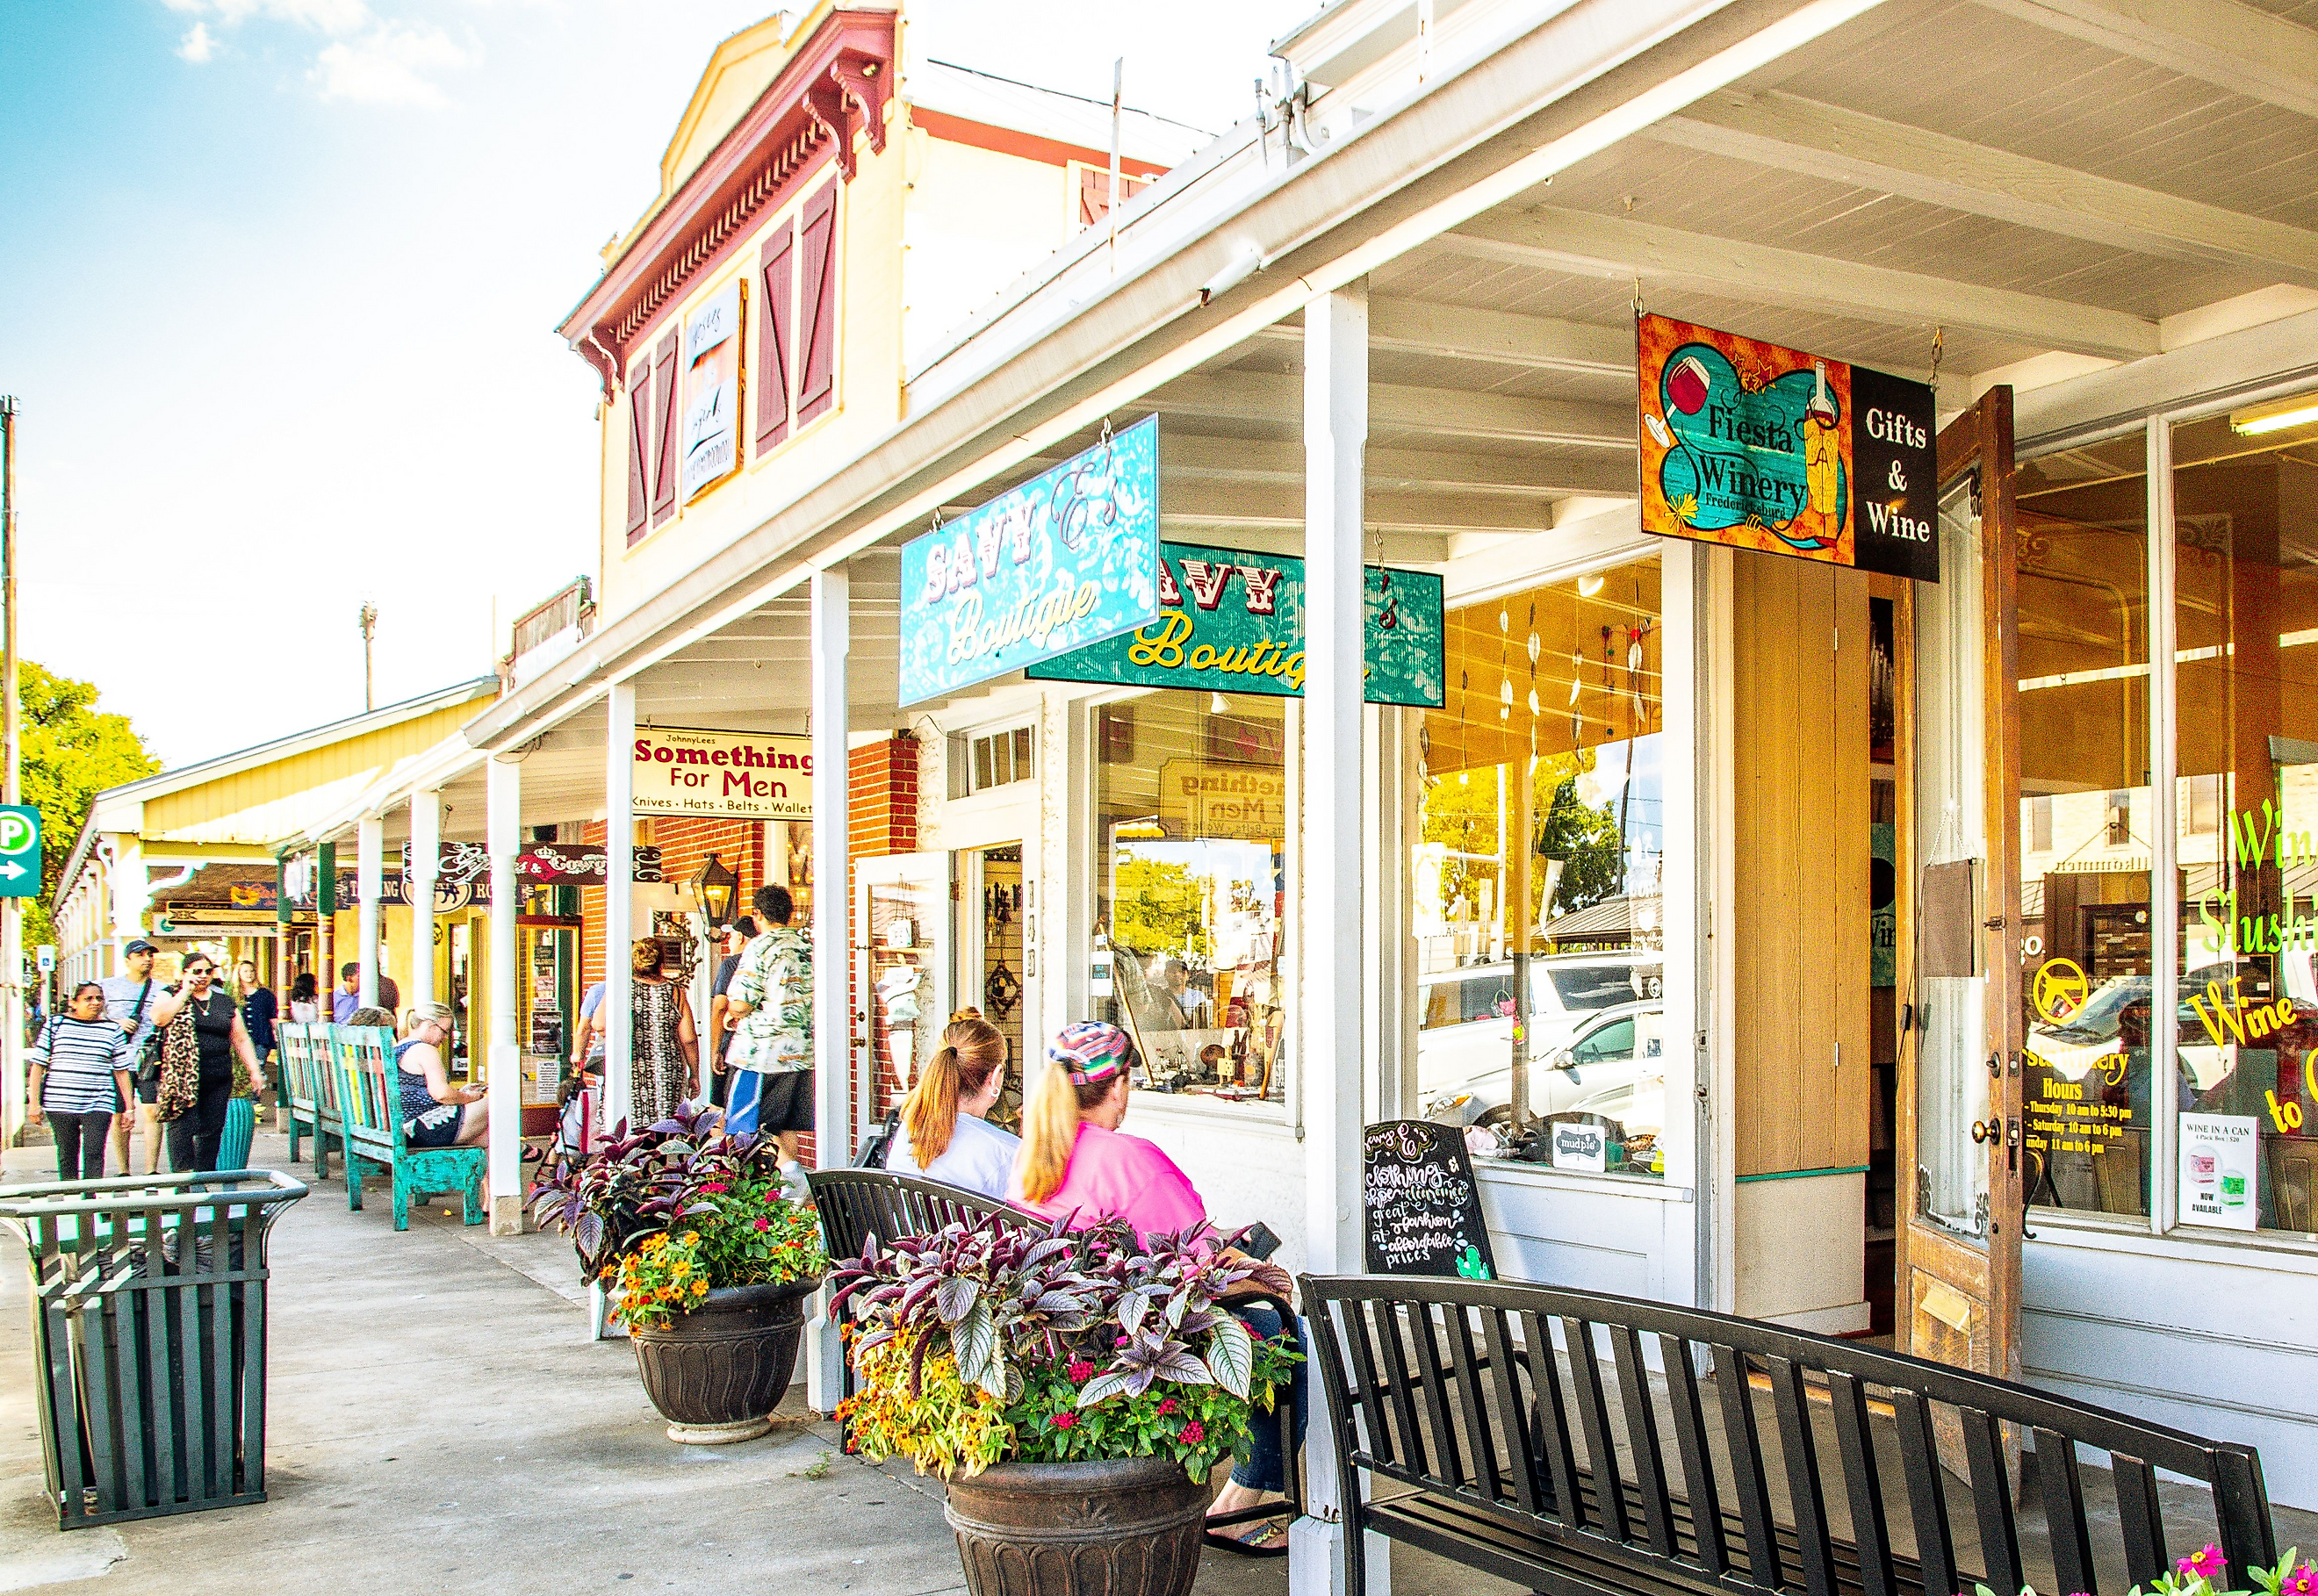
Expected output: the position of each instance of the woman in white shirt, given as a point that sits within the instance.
(943, 1134)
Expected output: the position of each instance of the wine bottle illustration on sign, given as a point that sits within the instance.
(1822, 452)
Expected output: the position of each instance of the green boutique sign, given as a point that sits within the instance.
(1233, 622)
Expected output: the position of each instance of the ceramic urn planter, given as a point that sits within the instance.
(1126, 1527)
(718, 1371)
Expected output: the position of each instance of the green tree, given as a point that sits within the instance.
(1161, 908)
(72, 751)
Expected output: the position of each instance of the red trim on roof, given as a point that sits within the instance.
(1029, 146)
(837, 85)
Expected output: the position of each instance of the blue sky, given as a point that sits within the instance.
(282, 278)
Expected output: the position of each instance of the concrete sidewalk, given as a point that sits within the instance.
(437, 1421)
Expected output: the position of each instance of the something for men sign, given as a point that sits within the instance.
(1757, 446)
(1067, 558)
(751, 775)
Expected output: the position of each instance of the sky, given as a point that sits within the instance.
(281, 279)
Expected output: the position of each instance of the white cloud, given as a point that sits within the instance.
(334, 17)
(197, 46)
(389, 66)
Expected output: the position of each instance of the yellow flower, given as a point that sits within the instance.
(691, 1237)
(700, 1288)
(682, 1269)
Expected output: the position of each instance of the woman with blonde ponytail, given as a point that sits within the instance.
(944, 1134)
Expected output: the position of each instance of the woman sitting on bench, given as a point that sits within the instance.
(435, 1112)
(945, 1131)
(1076, 1161)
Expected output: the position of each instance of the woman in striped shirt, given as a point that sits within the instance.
(80, 1077)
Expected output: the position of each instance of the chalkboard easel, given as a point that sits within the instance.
(1420, 1207)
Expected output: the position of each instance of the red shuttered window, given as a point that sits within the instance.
(665, 456)
(776, 336)
(641, 437)
(816, 361)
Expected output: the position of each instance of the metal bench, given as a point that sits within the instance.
(855, 1203)
(370, 1108)
(1482, 1416)
(309, 1092)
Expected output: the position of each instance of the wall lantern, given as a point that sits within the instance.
(714, 888)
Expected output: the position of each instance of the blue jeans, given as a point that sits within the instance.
(1266, 1469)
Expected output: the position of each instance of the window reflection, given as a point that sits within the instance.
(1537, 877)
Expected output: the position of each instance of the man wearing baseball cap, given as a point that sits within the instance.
(128, 1001)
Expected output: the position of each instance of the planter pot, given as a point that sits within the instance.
(1125, 1527)
(716, 1372)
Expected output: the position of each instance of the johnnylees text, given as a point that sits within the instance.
(758, 775)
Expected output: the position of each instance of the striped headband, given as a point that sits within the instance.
(1091, 1051)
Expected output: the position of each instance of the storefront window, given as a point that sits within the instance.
(1537, 873)
(2245, 490)
(1192, 800)
(2086, 836)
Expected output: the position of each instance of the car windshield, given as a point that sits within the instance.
(1587, 987)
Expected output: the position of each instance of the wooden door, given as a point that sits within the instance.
(1960, 1121)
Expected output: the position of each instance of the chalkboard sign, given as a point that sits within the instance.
(1422, 1207)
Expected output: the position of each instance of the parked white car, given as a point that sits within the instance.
(1597, 1024)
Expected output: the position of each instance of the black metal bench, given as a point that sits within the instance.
(1515, 1465)
(857, 1204)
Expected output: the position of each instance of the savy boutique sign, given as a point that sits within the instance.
(1067, 558)
(1756, 446)
(754, 776)
(1233, 622)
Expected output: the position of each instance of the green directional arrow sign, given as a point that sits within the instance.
(19, 851)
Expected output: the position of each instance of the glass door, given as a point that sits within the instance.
(903, 931)
(1960, 1133)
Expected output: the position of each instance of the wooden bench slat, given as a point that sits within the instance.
(1870, 1534)
(2143, 1521)
(1740, 1435)
(1480, 1439)
(1594, 1414)
(1517, 1416)
(1642, 1436)
(1991, 1499)
(1414, 1451)
(1698, 1483)
(1799, 1453)
(1448, 1464)
(1927, 1502)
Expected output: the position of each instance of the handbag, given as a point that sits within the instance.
(180, 1065)
(873, 1145)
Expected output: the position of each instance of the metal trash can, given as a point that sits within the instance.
(149, 1338)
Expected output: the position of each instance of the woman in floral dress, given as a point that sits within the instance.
(664, 1049)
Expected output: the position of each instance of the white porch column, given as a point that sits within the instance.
(370, 843)
(833, 1017)
(1328, 941)
(419, 888)
(619, 901)
(503, 831)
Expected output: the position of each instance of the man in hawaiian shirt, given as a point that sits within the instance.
(771, 1057)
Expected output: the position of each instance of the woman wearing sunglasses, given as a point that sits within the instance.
(204, 1035)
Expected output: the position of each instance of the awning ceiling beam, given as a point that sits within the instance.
(2223, 42)
(1190, 457)
(1613, 247)
(1500, 337)
(1792, 134)
(1508, 419)
(1254, 505)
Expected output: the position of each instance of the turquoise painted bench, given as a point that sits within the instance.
(309, 1092)
(369, 1118)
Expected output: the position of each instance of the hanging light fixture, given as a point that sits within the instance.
(714, 888)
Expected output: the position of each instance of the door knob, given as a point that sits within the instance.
(1987, 1130)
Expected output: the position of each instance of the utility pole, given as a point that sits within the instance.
(11, 910)
(369, 630)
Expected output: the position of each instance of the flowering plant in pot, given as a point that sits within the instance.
(1074, 1390)
(708, 1261)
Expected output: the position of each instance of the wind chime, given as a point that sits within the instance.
(1001, 989)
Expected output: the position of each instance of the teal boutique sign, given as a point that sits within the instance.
(1233, 622)
(1067, 558)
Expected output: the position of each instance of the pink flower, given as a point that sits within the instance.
(1063, 1420)
(2205, 1564)
(763, 1224)
(1120, 1341)
(716, 1186)
(1081, 1372)
(2302, 1581)
(1194, 1432)
(1166, 1405)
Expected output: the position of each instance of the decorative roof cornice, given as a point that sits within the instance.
(836, 85)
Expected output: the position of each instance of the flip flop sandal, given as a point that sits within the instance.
(1256, 1545)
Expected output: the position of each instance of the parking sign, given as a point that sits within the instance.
(19, 851)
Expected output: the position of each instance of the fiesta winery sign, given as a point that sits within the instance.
(754, 775)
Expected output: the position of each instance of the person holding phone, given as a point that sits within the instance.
(204, 1037)
(435, 1112)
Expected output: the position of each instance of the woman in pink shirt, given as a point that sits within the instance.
(1075, 1161)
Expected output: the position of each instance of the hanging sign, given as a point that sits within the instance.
(1757, 446)
(754, 776)
(1067, 558)
(579, 864)
(711, 391)
(1233, 622)
(1420, 1205)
